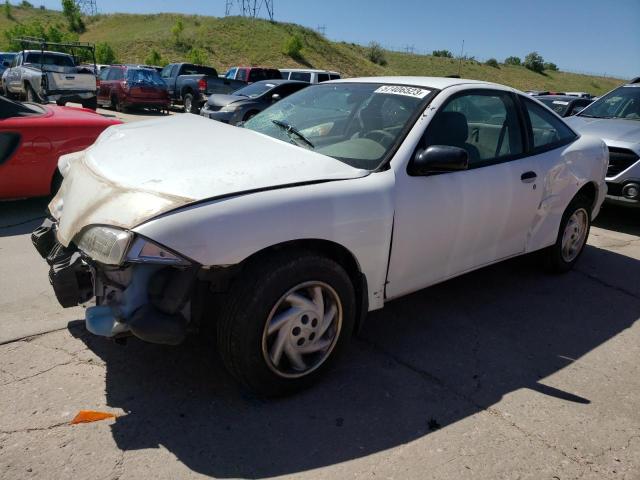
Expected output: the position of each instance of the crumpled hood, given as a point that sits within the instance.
(137, 171)
(614, 129)
(221, 100)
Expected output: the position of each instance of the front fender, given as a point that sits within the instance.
(357, 214)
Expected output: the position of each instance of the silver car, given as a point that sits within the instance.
(615, 117)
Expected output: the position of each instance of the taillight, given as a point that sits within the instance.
(202, 85)
(97, 83)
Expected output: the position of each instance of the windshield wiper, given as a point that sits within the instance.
(289, 129)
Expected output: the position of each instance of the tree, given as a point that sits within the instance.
(534, 62)
(7, 10)
(293, 47)
(26, 4)
(176, 31)
(154, 58)
(71, 12)
(105, 54)
(512, 61)
(492, 62)
(376, 54)
(442, 53)
(550, 66)
(197, 56)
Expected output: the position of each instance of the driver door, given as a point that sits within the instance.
(449, 223)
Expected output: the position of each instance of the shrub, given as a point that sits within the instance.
(176, 31)
(71, 12)
(104, 53)
(197, 56)
(442, 53)
(376, 54)
(534, 62)
(512, 61)
(154, 58)
(293, 47)
(26, 4)
(36, 29)
(550, 66)
(492, 62)
(7, 10)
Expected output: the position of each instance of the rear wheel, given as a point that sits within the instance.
(572, 236)
(189, 103)
(91, 103)
(287, 319)
(115, 103)
(249, 116)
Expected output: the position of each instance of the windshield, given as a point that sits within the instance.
(50, 59)
(144, 76)
(623, 102)
(558, 106)
(356, 123)
(255, 89)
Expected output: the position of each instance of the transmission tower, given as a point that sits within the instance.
(249, 8)
(88, 7)
(322, 30)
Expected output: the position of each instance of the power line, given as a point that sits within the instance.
(249, 8)
(88, 7)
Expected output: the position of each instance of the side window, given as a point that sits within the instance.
(284, 75)
(104, 73)
(242, 74)
(548, 130)
(231, 74)
(334, 76)
(166, 71)
(301, 76)
(483, 122)
(323, 77)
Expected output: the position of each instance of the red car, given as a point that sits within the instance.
(127, 86)
(32, 138)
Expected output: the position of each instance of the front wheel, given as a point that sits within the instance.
(286, 321)
(572, 236)
(31, 95)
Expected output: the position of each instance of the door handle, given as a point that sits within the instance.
(528, 177)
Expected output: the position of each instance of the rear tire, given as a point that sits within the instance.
(190, 105)
(316, 331)
(91, 104)
(115, 103)
(572, 237)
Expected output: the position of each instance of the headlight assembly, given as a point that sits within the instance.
(229, 108)
(106, 245)
(145, 251)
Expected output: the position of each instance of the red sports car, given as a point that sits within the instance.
(32, 138)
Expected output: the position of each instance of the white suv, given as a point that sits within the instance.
(311, 76)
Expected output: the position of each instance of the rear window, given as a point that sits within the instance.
(257, 74)
(198, 70)
(323, 77)
(301, 76)
(50, 59)
(334, 76)
(144, 76)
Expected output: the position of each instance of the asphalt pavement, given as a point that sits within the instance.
(504, 373)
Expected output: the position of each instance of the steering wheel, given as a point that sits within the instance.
(379, 136)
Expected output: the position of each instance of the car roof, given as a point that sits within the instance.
(279, 81)
(47, 51)
(307, 70)
(426, 82)
(568, 98)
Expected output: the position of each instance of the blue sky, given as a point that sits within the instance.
(578, 35)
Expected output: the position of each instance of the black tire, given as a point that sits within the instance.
(116, 105)
(189, 103)
(91, 104)
(30, 95)
(253, 297)
(249, 116)
(554, 261)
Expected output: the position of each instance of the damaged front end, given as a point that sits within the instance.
(140, 288)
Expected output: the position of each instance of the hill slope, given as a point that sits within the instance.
(242, 41)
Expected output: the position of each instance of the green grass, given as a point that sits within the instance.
(241, 41)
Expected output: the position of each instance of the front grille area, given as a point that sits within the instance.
(619, 160)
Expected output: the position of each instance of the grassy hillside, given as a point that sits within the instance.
(242, 41)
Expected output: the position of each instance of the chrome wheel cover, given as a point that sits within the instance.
(302, 329)
(575, 235)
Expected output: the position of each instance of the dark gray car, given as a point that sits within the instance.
(243, 104)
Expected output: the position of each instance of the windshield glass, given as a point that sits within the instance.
(255, 89)
(145, 76)
(558, 106)
(50, 59)
(623, 102)
(356, 123)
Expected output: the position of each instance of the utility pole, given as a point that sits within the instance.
(409, 48)
(322, 29)
(460, 63)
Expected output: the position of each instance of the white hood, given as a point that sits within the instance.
(139, 170)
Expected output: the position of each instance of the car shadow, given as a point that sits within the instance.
(619, 219)
(422, 363)
(18, 217)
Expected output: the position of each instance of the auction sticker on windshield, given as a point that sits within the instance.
(414, 92)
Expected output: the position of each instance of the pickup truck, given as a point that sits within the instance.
(42, 76)
(190, 85)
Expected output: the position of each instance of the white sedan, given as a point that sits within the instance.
(285, 233)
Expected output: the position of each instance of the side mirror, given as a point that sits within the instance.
(275, 97)
(439, 159)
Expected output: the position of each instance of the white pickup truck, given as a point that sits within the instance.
(43, 76)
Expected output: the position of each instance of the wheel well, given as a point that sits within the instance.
(589, 190)
(185, 91)
(338, 254)
(252, 112)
